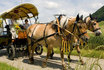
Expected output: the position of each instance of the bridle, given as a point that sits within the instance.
(89, 25)
(96, 29)
(80, 34)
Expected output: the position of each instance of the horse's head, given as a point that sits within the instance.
(78, 28)
(93, 25)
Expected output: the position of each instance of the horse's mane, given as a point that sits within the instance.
(85, 19)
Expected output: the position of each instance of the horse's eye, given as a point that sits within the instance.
(94, 24)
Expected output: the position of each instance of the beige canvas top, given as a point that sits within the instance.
(20, 11)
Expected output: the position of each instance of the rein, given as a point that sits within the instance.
(96, 29)
(35, 41)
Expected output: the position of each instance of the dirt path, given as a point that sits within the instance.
(54, 64)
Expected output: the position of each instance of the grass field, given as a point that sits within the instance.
(4, 66)
(95, 46)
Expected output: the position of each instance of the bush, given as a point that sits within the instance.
(101, 47)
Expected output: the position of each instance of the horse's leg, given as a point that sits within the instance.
(30, 51)
(62, 58)
(33, 48)
(71, 49)
(51, 55)
(69, 59)
(78, 50)
(49, 50)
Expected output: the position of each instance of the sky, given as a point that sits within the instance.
(48, 8)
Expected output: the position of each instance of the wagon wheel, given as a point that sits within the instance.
(39, 49)
(11, 52)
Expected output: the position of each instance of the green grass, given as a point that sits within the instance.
(4, 66)
(85, 53)
(90, 53)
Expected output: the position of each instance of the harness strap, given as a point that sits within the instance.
(44, 36)
(65, 45)
(58, 25)
(64, 42)
(74, 27)
(82, 34)
(65, 30)
(35, 41)
(32, 36)
(33, 31)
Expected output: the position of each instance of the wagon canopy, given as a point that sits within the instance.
(20, 11)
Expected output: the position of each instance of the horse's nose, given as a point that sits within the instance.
(98, 33)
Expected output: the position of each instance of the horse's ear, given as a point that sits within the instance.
(91, 16)
(77, 18)
(81, 17)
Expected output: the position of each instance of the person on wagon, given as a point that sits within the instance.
(26, 25)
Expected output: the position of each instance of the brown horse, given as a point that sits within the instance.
(92, 25)
(45, 34)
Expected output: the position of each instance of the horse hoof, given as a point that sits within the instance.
(51, 57)
(82, 62)
(70, 60)
(64, 67)
(31, 61)
(44, 65)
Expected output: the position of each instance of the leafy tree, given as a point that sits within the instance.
(99, 14)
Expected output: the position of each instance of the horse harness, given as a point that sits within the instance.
(44, 37)
(60, 33)
(80, 34)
